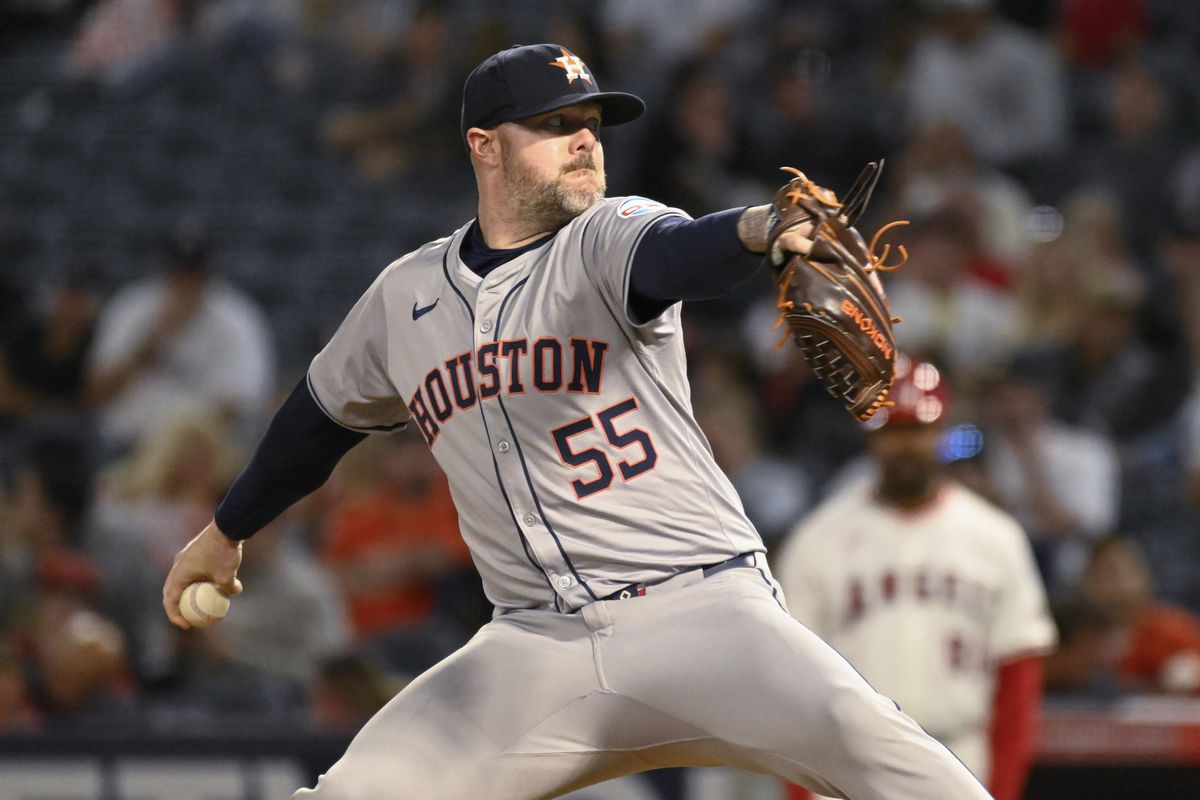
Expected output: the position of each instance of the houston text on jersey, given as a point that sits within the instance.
(505, 365)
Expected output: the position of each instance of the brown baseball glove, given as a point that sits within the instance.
(831, 299)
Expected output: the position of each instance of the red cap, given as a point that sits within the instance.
(919, 395)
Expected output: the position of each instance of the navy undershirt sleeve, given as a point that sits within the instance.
(682, 259)
(295, 457)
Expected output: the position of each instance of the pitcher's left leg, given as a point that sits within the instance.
(724, 656)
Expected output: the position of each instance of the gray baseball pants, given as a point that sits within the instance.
(540, 703)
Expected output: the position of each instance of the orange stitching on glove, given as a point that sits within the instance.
(784, 304)
(783, 339)
(877, 260)
(826, 197)
(849, 351)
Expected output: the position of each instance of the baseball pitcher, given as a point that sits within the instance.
(538, 351)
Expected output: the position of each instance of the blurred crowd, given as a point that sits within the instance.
(193, 193)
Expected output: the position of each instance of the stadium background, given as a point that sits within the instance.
(290, 150)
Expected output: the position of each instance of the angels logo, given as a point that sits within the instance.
(573, 66)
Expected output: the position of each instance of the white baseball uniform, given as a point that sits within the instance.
(925, 604)
(579, 474)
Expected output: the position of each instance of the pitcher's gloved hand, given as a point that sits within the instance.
(830, 298)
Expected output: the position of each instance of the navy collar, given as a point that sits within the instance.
(482, 259)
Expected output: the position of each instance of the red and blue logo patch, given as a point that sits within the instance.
(637, 206)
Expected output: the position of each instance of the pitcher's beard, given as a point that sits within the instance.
(548, 205)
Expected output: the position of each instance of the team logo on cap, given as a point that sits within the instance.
(573, 66)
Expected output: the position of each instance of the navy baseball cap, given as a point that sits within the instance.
(526, 80)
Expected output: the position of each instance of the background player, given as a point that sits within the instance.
(538, 351)
(928, 590)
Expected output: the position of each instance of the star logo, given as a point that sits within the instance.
(572, 66)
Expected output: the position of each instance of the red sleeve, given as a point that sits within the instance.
(1159, 634)
(1014, 725)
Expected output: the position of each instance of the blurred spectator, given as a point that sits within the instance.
(928, 590)
(284, 584)
(48, 494)
(387, 138)
(774, 490)
(646, 41)
(698, 159)
(80, 667)
(674, 30)
(805, 121)
(1102, 376)
(152, 501)
(1176, 257)
(254, 667)
(1055, 270)
(349, 689)
(154, 346)
(1136, 155)
(938, 169)
(42, 358)
(17, 712)
(148, 505)
(1092, 37)
(74, 656)
(798, 417)
(1083, 251)
(955, 303)
(390, 542)
(1061, 482)
(1095, 230)
(117, 37)
(1089, 641)
(223, 14)
(1094, 34)
(370, 30)
(1000, 84)
(1160, 651)
(572, 23)
(209, 687)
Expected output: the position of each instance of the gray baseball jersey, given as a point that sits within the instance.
(566, 431)
(596, 475)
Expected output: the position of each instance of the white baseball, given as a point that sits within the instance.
(203, 604)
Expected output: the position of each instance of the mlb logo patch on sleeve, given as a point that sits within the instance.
(636, 206)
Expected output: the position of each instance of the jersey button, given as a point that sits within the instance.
(502, 447)
(564, 581)
(485, 326)
(530, 519)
